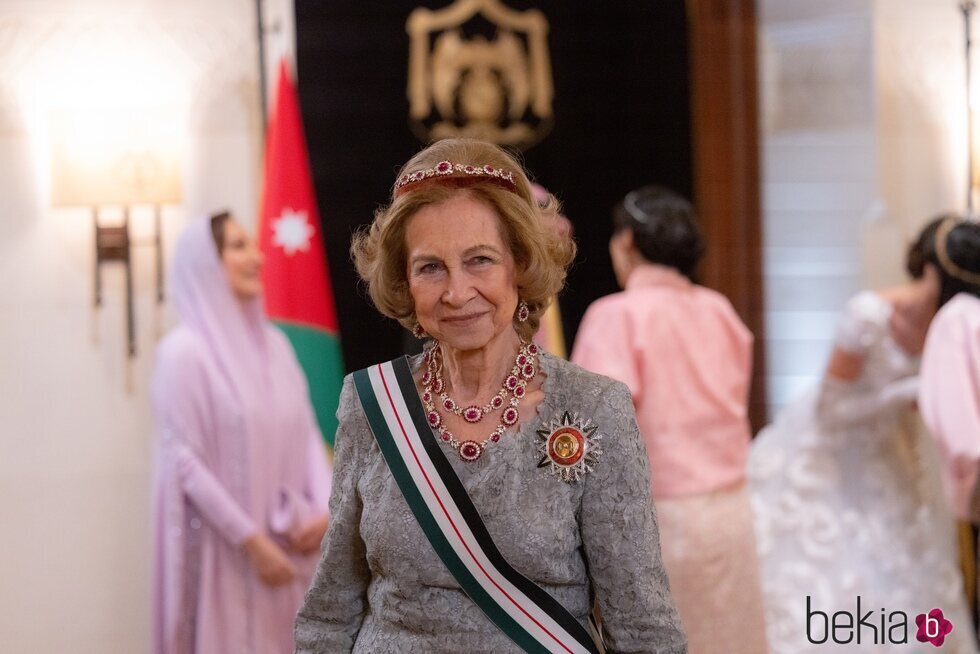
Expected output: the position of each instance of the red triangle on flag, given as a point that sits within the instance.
(295, 275)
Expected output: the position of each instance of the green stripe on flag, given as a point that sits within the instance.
(320, 356)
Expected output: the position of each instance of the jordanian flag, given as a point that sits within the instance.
(298, 296)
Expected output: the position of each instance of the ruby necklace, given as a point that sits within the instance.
(514, 385)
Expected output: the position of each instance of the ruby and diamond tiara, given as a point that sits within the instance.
(450, 169)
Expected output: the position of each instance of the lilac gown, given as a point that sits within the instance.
(238, 452)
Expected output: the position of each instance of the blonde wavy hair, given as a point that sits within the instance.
(542, 253)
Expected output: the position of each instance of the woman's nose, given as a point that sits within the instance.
(459, 288)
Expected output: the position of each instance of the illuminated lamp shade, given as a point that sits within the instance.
(111, 156)
(117, 156)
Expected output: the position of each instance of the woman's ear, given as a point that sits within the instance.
(621, 252)
(933, 280)
(622, 240)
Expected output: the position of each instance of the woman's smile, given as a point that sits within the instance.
(463, 320)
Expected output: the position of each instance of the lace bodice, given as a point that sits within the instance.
(380, 587)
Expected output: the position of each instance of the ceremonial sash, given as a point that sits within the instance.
(525, 612)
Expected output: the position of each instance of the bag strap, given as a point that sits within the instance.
(524, 611)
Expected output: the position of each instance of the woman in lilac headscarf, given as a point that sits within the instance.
(241, 478)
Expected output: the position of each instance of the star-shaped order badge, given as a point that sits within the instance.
(292, 231)
(569, 446)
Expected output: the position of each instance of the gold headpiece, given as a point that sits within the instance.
(951, 267)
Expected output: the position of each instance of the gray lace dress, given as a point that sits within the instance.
(380, 587)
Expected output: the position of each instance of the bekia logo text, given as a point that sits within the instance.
(874, 626)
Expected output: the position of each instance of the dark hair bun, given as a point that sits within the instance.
(664, 227)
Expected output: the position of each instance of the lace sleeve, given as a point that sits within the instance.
(841, 402)
(180, 402)
(862, 324)
(621, 539)
(334, 608)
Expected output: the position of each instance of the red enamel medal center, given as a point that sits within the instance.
(566, 446)
(569, 446)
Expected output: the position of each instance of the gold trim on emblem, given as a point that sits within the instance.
(566, 446)
(499, 90)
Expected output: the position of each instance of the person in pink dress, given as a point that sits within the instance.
(687, 359)
(949, 390)
(241, 480)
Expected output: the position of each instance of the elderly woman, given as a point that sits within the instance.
(487, 495)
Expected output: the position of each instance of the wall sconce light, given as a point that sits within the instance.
(106, 157)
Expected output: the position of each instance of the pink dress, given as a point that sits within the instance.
(949, 398)
(238, 452)
(687, 359)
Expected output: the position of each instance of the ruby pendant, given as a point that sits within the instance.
(469, 450)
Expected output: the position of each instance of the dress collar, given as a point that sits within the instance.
(651, 274)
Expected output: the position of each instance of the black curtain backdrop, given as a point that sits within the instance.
(622, 119)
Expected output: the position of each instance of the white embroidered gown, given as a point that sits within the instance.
(848, 503)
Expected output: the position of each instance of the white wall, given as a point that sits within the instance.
(862, 110)
(818, 176)
(921, 118)
(75, 443)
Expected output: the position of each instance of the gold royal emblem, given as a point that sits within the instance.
(569, 446)
(499, 90)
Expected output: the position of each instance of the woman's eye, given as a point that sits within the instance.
(429, 268)
(481, 260)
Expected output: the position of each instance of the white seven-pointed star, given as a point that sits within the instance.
(293, 231)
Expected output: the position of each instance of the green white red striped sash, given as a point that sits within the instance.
(524, 611)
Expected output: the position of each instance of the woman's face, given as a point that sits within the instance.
(461, 273)
(242, 261)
